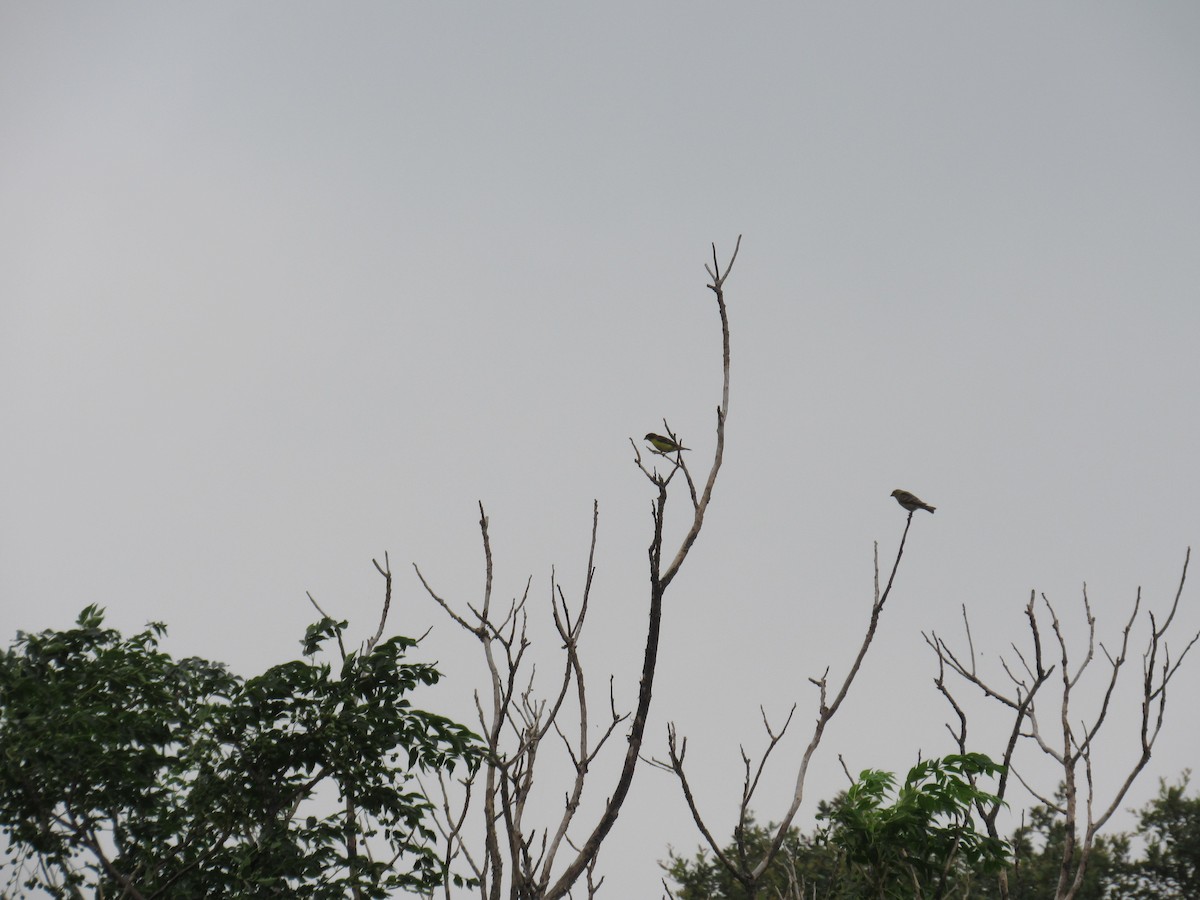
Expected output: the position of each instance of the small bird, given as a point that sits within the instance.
(664, 444)
(911, 502)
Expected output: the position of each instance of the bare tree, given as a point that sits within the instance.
(1070, 738)
(519, 858)
(747, 868)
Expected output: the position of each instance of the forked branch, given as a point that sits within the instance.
(522, 861)
(1081, 813)
(746, 870)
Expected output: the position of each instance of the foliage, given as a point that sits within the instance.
(822, 865)
(1170, 823)
(133, 774)
(1168, 869)
(1038, 845)
(923, 844)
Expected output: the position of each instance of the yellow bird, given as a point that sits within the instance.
(911, 502)
(664, 444)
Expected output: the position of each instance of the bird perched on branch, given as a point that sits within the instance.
(664, 444)
(911, 502)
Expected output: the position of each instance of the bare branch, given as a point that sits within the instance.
(677, 750)
(337, 629)
(828, 711)
(1081, 816)
(517, 721)
(659, 582)
(386, 571)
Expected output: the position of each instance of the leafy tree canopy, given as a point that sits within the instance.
(917, 841)
(867, 845)
(133, 774)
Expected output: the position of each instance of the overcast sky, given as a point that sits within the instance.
(285, 286)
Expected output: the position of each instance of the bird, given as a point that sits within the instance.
(911, 502)
(664, 444)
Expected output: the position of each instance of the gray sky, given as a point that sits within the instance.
(285, 286)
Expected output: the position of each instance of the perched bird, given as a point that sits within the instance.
(664, 444)
(911, 502)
